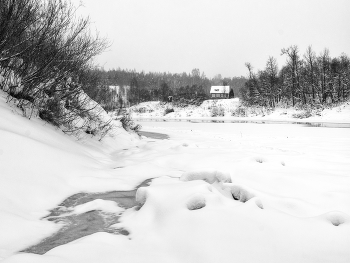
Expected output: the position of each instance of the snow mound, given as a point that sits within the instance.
(196, 201)
(98, 204)
(259, 203)
(207, 176)
(241, 194)
(336, 218)
(141, 195)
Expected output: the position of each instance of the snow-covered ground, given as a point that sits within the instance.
(224, 192)
(228, 110)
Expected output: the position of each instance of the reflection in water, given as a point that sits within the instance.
(306, 124)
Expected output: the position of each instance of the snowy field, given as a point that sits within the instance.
(223, 192)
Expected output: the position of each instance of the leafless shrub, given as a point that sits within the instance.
(217, 111)
(129, 124)
(168, 110)
(44, 47)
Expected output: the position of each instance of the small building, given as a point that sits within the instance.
(219, 92)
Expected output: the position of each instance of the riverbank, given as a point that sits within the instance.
(232, 110)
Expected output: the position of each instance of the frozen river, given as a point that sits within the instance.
(251, 128)
(297, 174)
(222, 192)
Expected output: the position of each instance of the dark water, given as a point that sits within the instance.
(305, 124)
(77, 226)
(154, 135)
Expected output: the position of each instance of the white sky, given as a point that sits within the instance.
(216, 36)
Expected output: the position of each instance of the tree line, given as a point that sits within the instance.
(45, 53)
(304, 79)
(153, 86)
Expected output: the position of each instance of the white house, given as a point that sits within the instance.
(219, 92)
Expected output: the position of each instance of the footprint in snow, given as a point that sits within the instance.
(196, 202)
(241, 194)
(336, 218)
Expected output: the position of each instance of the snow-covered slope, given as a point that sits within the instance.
(40, 166)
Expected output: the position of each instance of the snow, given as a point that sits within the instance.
(141, 195)
(41, 166)
(196, 202)
(228, 107)
(208, 176)
(98, 204)
(221, 192)
(241, 194)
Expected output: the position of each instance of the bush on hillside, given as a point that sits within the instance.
(51, 112)
(129, 125)
(43, 70)
(240, 111)
(217, 111)
(168, 110)
(302, 114)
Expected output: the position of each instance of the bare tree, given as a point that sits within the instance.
(293, 62)
(311, 68)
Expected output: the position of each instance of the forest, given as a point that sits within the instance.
(306, 79)
(154, 86)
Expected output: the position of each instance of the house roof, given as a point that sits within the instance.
(220, 89)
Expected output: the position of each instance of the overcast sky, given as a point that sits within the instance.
(216, 36)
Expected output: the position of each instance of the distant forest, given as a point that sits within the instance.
(154, 85)
(306, 79)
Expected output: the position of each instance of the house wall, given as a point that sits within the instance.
(219, 95)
